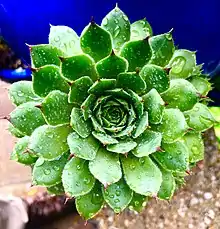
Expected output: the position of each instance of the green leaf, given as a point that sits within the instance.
(131, 80)
(141, 175)
(141, 125)
(87, 106)
(82, 127)
(111, 66)
(154, 105)
(56, 108)
(22, 154)
(175, 157)
(97, 127)
(195, 144)
(168, 185)
(124, 146)
(182, 64)
(199, 118)
(202, 85)
(147, 143)
(26, 118)
(137, 103)
(155, 77)
(102, 85)
(65, 39)
(119, 93)
(106, 167)
(22, 92)
(47, 79)
(78, 90)
(137, 53)
(181, 94)
(50, 142)
(90, 204)
(118, 25)
(96, 41)
(118, 195)
(163, 48)
(48, 173)
(15, 132)
(56, 189)
(173, 125)
(42, 55)
(74, 67)
(140, 30)
(85, 148)
(105, 139)
(138, 202)
(76, 178)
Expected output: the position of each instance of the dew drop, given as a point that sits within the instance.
(117, 210)
(178, 64)
(195, 149)
(105, 22)
(56, 168)
(96, 198)
(46, 171)
(116, 31)
(118, 193)
(116, 200)
(57, 39)
(111, 196)
(78, 167)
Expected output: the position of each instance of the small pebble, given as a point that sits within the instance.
(207, 220)
(194, 201)
(190, 226)
(211, 214)
(208, 195)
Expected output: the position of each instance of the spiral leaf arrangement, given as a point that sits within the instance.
(114, 116)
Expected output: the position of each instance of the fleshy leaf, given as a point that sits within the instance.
(118, 25)
(181, 94)
(78, 90)
(85, 148)
(77, 179)
(97, 127)
(131, 80)
(56, 108)
(66, 39)
(82, 127)
(106, 167)
(105, 139)
(102, 85)
(22, 92)
(15, 132)
(137, 53)
(199, 118)
(124, 146)
(50, 142)
(155, 77)
(48, 173)
(154, 105)
(90, 204)
(42, 55)
(195, 144)
(96, 41)
(87, 106)
(140, 30)
(118, 196)
(111, 66)
(138, 202)
(141, 125)
(163, 48)
(147, 143)
(173, 125)
(202, 84)
(119, 93)
(26, 118)
(141, 175)
(74, 67)
(137, 103)
(56, 189)
(47, 79)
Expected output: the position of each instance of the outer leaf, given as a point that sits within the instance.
(104, 138)
(65, 39)
(141, 125)
(137, 53)
(56, 108)
(48, 173)
(90, 204)
(147, 143)
(76, 178)
(87, 106)
(140, 30)
(74, 67)
(162, 48)
(118, 196)
(199, 118)
(154, 105)
(22, 92)
(155, 77)
(47, 79)
(106, 167)
(85, 148)
(138, 202)
(56, 189)
(202, 85)
(195, 144)
(124, 146)
(15, 132)
(96, 42)
(173, 125)
(181, 94)
(142, 175)
(42, 55)
(101, 85)
(26, 118)
(50, 142)
(117, 23)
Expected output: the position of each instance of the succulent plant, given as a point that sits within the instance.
(114, 116)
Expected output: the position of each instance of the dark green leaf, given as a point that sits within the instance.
(137, 103)
(138, 202)
(56, 189)
(102, 85)
(141, 125)
(15, 132)
(97, 127)
(119, 93)
(104, 138)
(88, 105)
(124, 146)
